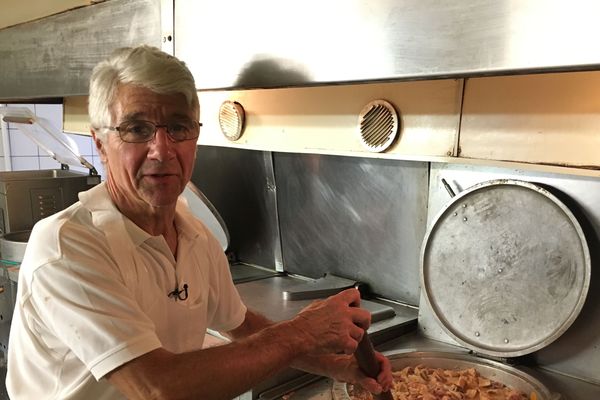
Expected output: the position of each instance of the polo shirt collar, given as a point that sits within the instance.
(108, 218)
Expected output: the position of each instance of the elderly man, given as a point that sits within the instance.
(100, 314)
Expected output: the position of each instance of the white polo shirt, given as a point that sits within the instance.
(93, 295)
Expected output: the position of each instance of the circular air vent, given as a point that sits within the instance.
(378, 125)
(231, 119)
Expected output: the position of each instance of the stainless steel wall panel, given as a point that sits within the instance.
(359, 218)
(270, 43)
(239, 184)
(54, 56)
(577, 351)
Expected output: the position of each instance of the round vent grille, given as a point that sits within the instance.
(378, 125)
(231, 119)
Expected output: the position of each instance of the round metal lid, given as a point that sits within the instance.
(505, 268)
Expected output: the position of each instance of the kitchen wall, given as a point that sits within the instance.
(23, 154)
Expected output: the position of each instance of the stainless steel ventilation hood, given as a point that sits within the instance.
(54, 56)
(266, 43)
(271, 43)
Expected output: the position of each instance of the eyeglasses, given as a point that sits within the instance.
(139, 131)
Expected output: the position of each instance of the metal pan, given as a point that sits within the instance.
(487, 368)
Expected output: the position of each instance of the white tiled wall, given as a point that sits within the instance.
(26, 155)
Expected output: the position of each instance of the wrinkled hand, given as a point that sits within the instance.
(333, 325)
(345, 369)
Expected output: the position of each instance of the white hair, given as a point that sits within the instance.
(144, 66)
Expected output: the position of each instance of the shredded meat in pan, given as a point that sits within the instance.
(422, 383)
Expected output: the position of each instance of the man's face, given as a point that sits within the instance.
(153, 173)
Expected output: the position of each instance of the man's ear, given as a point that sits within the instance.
(99, 146)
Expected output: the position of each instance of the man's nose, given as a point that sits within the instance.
(161, 146)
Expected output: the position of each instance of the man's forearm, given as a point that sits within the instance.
(205, 373)
(260, 349)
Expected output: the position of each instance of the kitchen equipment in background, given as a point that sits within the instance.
(12, 247)
(497, 283)
(59, 146)
(28, 196)
(12, 250)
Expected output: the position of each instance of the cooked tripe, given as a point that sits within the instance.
(422, 383)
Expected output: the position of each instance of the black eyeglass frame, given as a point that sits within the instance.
(156, 127)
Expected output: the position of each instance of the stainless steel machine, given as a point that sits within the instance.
(28, 196)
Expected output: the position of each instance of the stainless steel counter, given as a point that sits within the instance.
(241, 272)
(266, 296)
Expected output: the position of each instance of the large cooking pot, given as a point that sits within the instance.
(505, 270)
(487, 368)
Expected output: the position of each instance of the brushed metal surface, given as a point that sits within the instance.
(265, 296)
(496, 282)
(239, 184)
(358, 218)
(326, 286)
(28, 196)
(577, 351)
(245, 273)
(54, 56)
(269, 43)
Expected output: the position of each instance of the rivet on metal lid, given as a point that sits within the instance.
(231, 119)
(378, 125)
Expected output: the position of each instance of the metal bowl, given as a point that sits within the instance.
(487, 368)
(12, 247)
